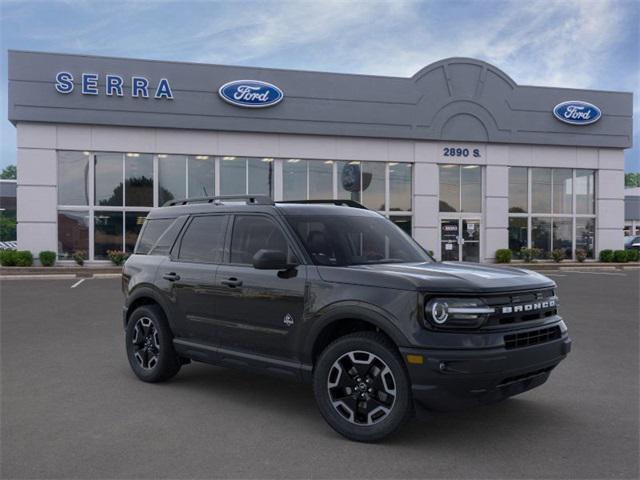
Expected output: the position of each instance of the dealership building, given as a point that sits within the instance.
(458, 155)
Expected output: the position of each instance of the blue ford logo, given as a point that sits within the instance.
(576, 112)
(250, 93)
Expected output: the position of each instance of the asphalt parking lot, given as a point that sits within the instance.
(71, 407)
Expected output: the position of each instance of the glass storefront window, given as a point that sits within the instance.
(349, 180)
(73, 233)
(233, 176)
(449, 188)
(138, 170)
(404, 222)
(562, 190)
(562, 235)
(73, 178)
(320, 179)
(294, 179)
(471, 191)
(133, 222)
(541, 190)
(585, 235)
(108, 179)
(585, 192)
(202, 176)
(518, 190)
(541, 235)
(107, 233)
(373, 181)
(400, 176)
(517, 235)
(171, 178)
(260, 176)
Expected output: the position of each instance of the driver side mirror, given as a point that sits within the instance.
(271, 260)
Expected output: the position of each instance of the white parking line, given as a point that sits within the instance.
(78, 283)
(554, 274)
(600, 273)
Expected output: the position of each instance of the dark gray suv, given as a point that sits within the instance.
(330, 293)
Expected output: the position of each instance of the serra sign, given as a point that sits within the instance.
(113, 85)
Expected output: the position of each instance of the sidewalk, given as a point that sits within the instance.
(66, 271)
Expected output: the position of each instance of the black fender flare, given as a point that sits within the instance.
(146, 291)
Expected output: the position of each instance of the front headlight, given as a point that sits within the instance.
(457, 312)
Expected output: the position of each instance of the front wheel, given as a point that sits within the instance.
(362, 387)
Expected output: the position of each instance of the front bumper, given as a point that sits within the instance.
(453, 378)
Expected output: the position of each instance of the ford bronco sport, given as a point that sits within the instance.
(333, 294)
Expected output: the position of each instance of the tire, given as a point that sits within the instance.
(149, 343)
(362, 387)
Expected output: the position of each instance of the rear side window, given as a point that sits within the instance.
(151, 232)
(252, 233)
(203, 240)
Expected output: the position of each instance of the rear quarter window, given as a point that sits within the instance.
(157, 236)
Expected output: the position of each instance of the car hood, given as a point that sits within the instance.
(451, 277)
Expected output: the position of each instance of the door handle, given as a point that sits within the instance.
(172, 276)
(232, 282)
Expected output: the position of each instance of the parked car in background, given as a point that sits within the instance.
(632, 241)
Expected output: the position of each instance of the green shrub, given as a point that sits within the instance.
(430, 252)
(117, 257)
(633, 255)
(581, 254)
(526, 254)
(606, 255)
(503, 255)
(8, 258)
(47, 258)
(79, 256)
(558, 255)
(620, 256)
(24, 258)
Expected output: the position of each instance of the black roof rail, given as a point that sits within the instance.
(250, 200)
(339, 202)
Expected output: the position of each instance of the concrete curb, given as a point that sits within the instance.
(575, 265)
(82, 272)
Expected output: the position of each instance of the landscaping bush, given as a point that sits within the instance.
(558, 255)
(526, 254)
(24, 258)
(620, 256)
(581, 254)
(117, 257)
(47, 258)
(606, 255)
(8, 258)
(430, 252)
(80, 256)
(633, 255)
(503, 255)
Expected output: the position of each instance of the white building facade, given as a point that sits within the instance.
(459, 156)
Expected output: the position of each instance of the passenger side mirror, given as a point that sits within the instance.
(270, 260)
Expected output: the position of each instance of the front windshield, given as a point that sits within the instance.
(343, 240)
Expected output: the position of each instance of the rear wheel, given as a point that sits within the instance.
(362, 387)
(150, 345)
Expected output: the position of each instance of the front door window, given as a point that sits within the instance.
(460, 239)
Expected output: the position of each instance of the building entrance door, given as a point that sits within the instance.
(460, 239)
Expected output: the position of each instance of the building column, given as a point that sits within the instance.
(426, 190)
(36, 194)
(610, 200)
(496, 210)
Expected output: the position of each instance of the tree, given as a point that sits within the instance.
(632, 180)
(9, 173)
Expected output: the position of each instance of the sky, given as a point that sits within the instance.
(566, 43)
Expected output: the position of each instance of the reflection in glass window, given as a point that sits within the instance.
(471, 191)
(585, 235)
(320, 179)
(204, 239)
(171, 177)
(449, 188)
(518, 190)
(133, 222)
(260, 176)
(201, 176)
(585, 191)
(541, 190)
(562, 235)
(233, 176)
(73, 178)
(349, 179)
(562, 190)
(403, 222)
(373, 178)
(107, 233)
(294, 179)
(138, 170)
(400, 186)
(541, 235)
(517, 235)
(73, 233)
(108, 179)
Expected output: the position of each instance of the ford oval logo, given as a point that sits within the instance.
(250, 93)
(577, 112)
